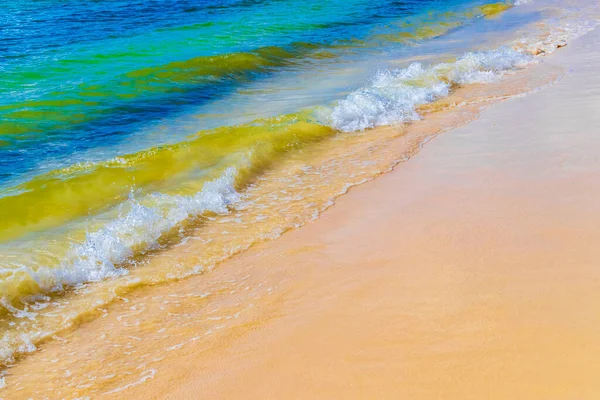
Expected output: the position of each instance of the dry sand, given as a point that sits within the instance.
(471, 271)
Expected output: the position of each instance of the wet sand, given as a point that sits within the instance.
(471, 271)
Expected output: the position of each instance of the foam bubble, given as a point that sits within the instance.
(393, 95)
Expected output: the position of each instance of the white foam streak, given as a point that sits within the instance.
(559, 37)
(393, 96)
(105, 251)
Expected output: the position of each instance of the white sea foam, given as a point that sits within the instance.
(558, 37)
(103, 251)
(393, 95)
(138, 228)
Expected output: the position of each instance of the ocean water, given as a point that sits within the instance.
(130, 128)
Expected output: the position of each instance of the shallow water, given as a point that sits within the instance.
(155, 125)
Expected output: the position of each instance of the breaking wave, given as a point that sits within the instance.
(138, 229)
(394, 95)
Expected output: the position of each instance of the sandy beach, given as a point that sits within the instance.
(468, 272)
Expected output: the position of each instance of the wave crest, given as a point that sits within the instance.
(394, 95)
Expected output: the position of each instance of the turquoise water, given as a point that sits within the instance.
(79, 76)
(87, 84)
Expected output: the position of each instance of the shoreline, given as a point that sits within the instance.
(481, 281)
(296, 171)
(300, 286)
